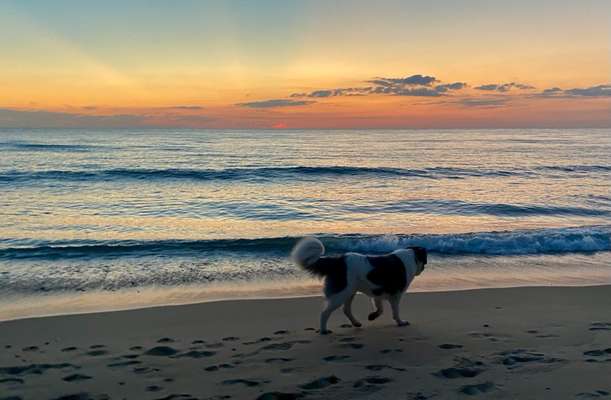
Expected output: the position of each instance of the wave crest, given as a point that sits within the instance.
(506, 243)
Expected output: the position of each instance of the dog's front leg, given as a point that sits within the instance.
(394, 301)
(331, 305)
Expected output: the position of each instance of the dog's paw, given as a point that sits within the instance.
(373, 316)
(325, 332)
(357, 324)
(402, 323)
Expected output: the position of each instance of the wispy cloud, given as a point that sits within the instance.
(183, 108)
(592, 91)
(552, 91)
(504, 87)
(450, 86)
(413, 80)
(413, 85)
(355, 91)
(273, 103)
(483, 102)
(475, 102)
(19, 118)
(46, 119)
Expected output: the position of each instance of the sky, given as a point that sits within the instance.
(305, 64)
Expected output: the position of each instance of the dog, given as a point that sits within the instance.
(384, 277)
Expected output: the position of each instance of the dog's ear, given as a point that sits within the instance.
(421, 254)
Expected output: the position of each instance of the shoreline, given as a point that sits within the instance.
(315, 292)
(527, 343)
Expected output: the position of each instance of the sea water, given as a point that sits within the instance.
(106, 219)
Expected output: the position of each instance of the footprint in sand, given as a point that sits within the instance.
(419, 396)
(476, 389)
(386, 351)
(453, 373)
(380, 367)
(12, 381)
(161, 351)
(284, 345)
(246, 382)
(280, 396)
(281, 332)
(166, 340)
(464, 368)
(517, 358)
(355, 346)
(76, 378)
(371, 383)
(593, 395)
(96, 353)
(485, 335)
(278, 346)
(278, 360)
(136, 348)
(321, 383)
(181, 396)
(123, 363)
(336, 358)
(69, 349)
(30, 348)
(230, 339)
(83, 396)
(142, 370)
(153, 388)
(600, 326)
(145, 370)
(261, 340)
(97, 346)
(195, 354)
(217, 367)
(449, 346)
(541, 335)
(34, 369)
(598, 354)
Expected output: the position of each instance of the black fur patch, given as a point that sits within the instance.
(333, 268)
(420, 252)
(388, 273)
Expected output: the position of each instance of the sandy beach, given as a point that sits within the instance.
(517, 343)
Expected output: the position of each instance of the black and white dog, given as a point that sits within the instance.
(383, 277)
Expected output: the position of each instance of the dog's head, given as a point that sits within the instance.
(421, 257)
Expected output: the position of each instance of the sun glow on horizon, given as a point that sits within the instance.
(346, 64)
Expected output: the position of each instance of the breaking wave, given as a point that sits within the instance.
(506, 243)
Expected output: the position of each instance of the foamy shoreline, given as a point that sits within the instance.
(16, 307)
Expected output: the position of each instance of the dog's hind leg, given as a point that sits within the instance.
(379, 308)
(395, 300)
(333, 303)
(348, 312)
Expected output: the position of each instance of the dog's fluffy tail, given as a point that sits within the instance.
(306, 253)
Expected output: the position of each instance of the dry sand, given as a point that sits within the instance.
(519, 343)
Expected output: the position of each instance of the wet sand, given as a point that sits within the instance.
(518, 343)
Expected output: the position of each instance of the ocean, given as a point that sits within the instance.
(108, 219)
